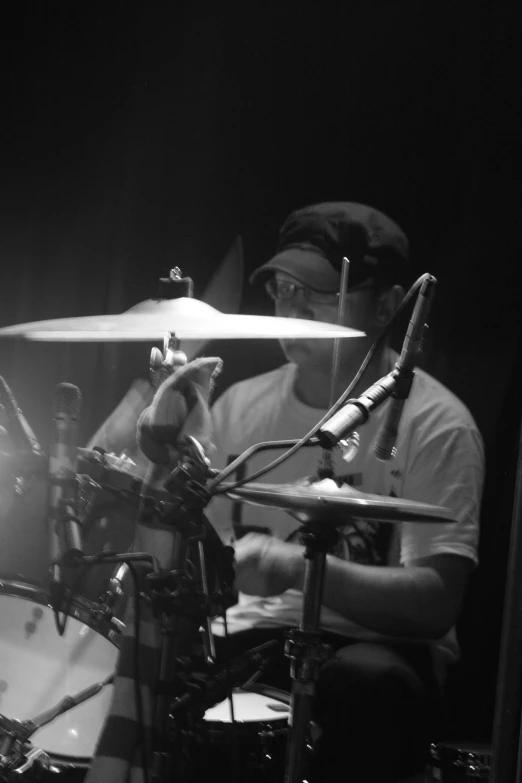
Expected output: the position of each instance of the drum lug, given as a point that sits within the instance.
(36, 758)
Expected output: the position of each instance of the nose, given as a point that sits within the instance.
(301, 311)
(297, 307)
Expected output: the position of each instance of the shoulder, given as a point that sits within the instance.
(440, 436)
(433, 407)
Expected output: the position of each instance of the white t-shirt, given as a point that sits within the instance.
(439, 461)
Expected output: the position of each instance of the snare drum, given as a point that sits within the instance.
(254, 745)
(454, 762)
(38, 668)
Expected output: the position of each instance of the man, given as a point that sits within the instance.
(392, 593)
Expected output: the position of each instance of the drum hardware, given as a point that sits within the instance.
(321, 513)
(29, 458)
(323, 509)
(101, 613)
(36, 760)
(459, 762)
(184, 604)
(188, 727)
(245, 734)
(111, 593)
(325, 467)
(162, 365)
(17, 755)
(108, 472)
(37, 667)
(172, 595)
(305, 649)
(204, 692)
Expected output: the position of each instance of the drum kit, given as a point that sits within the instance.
(55, 689)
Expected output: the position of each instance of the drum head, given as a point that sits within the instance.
(259, 706)
(38, 668)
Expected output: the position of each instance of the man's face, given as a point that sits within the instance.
(360, 310)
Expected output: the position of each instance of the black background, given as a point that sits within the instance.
(135, 137)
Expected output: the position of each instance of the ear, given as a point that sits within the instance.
(388, 302)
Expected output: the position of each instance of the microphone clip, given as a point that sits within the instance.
(403, 382)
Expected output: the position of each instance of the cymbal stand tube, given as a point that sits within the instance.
(162, 365)
(305, 649)
(325, 469)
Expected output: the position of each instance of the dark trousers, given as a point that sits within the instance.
(378, 706)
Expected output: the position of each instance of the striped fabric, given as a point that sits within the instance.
(118, 756)
(118, 434)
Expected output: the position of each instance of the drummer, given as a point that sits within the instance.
(392, 593)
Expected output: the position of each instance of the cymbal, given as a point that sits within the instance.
(325, 502)
(186, 318)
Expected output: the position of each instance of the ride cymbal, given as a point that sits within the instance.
(325, 502)
(186, 318)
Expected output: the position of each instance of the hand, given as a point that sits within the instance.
(266, 566)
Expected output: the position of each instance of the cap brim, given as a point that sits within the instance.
(310, 268)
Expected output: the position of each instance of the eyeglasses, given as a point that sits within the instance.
(284, 290)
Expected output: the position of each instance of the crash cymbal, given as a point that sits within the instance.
(186, 318)
(325, 502)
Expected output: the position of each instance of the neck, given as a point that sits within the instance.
(312, 385)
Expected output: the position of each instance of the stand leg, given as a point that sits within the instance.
(307, 653)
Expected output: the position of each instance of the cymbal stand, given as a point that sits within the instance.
(161, 365)
(304, 647)
(325, 468)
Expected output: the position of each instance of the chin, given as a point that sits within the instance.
(296, 350)
(307, 351)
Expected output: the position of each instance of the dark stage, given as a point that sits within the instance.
(138, 137)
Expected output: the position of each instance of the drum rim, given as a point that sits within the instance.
(81, 608)
(450, 751)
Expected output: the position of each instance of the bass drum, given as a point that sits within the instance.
(454, 762)
(38, 668)
(251, 748)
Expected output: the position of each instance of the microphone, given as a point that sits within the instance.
(112, 589)
(31, 457)
(63, 526)
(384, 448)
(357, 411)
(241, 670)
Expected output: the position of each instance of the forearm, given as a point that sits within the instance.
(390, 600)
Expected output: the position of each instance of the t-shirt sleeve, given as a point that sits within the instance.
(446, 469)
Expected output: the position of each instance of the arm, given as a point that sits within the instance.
(421, 600)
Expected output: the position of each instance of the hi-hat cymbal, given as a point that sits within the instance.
(187, 319)
(325, 502)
